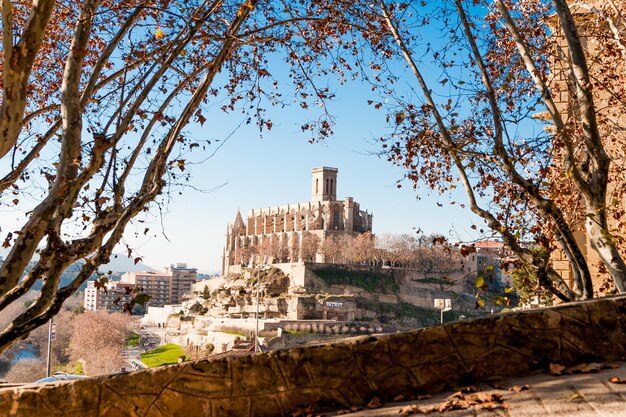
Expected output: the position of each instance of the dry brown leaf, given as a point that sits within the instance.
(424, 397)
(584, 368)
(409, 409)
(461, 404)
(490, 406)
(443, 406)
(616, 380)
(352, 409)
(556, 369)
(416, 409)
(575, 397)
(592, 368)
(400, 397)
(457, 394)
(481, 397)
(518, 388)
(375, 403)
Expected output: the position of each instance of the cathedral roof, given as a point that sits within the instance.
(238, 224)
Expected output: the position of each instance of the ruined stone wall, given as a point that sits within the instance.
(343, 374)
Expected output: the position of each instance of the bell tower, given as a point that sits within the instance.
(324, 186)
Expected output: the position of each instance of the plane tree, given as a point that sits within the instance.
(97, 97)
(521, 104)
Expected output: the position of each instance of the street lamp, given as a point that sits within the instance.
(51, 336)
(443, 304)
(261, 266)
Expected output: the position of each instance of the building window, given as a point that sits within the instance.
(336, 217)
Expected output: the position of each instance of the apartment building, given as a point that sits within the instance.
(169, 286)
(110, 298)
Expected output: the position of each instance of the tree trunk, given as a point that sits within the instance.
(604, 244)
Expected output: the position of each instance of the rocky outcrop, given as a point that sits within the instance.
(344, 374)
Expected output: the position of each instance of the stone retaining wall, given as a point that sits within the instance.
(343, 374)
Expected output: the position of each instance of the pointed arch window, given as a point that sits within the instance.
(336, 217)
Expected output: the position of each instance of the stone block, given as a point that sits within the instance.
(414, 348)
(474, 341)
(441, 373)
(503, 362)
(254, 375)
(289, 364)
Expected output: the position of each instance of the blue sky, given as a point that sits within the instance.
(276, 170)
(250, 171)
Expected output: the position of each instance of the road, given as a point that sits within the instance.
(151, 337)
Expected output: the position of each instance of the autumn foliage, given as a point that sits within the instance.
(522, 106)
(98, 340)
(96, 99)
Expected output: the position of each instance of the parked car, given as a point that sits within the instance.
(60, 376)
(138, 365)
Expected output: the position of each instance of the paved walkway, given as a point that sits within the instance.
(577, 395)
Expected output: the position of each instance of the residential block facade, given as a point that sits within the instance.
(170, 286)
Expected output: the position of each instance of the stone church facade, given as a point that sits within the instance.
(295, 232)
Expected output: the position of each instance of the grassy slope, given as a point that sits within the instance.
(163, 355)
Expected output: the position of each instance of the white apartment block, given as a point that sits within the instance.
(170, 286)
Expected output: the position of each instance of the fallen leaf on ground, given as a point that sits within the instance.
(457, 394)
(485, 397)
(575, 397)
(518, 388)
(352, 409)
(375, 403)
(584, 368)
(416, 409)
(556, 369)
(459, 401)
(400, 397)
(407, 410)
(616, 380)
(490, 406)
(424, 397)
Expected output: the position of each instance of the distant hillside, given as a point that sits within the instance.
(122, 263)
(119, 264)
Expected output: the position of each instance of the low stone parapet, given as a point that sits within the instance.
(348, 373)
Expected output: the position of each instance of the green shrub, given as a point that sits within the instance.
(133, 340)
(79, 368)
